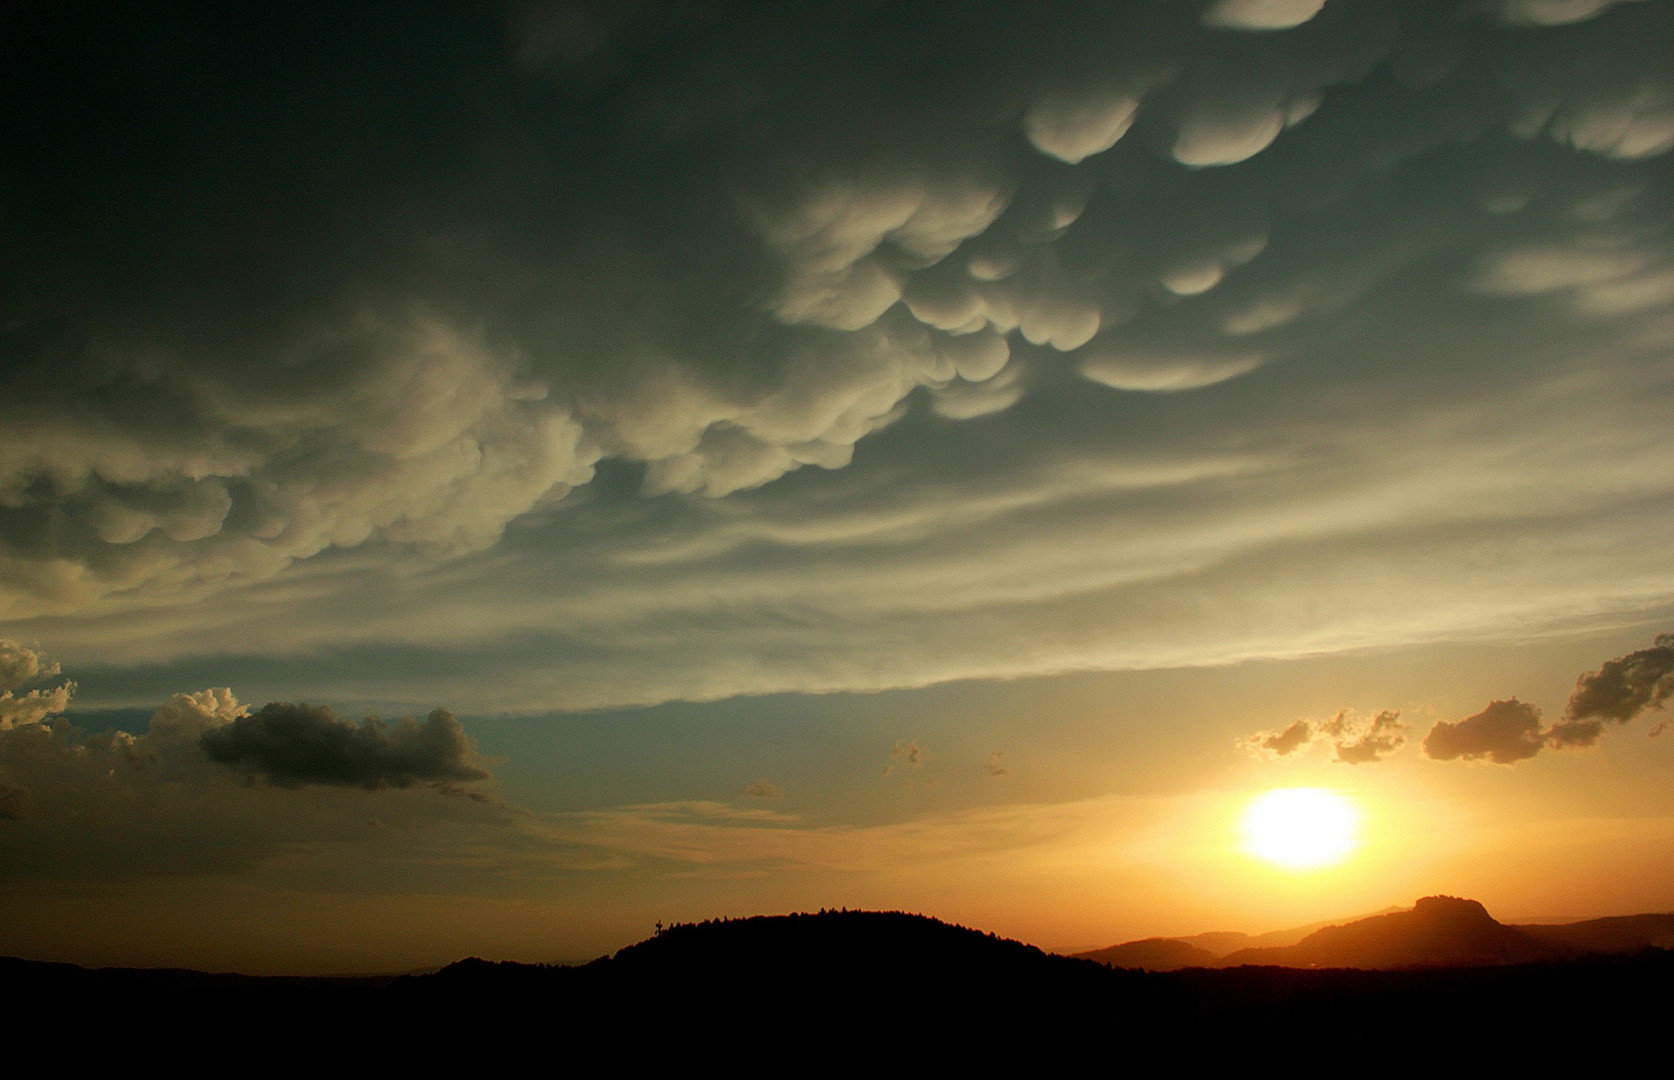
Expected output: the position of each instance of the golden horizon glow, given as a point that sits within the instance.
(1301, 828)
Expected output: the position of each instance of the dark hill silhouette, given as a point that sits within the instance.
(1153, 954)
(1200, 950)
(797, 964)
(1440, 931)
(851, 990)
(1619, 934)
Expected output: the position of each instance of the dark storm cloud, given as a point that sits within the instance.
(297, 299)
(291, 745)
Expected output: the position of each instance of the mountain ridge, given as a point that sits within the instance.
(1438, 931)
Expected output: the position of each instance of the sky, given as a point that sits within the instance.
(483, 479)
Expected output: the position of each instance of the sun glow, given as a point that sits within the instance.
(1300, 828)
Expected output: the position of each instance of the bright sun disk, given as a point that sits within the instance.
(1300, 827)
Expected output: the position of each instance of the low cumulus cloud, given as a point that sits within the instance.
(1507, 732)
(1353, 738)
(20, 666)
(292, 745)
(176, 798)
(1620, 691)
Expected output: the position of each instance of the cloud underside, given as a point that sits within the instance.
(1186, 333)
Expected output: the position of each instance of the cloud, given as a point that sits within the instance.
(909, 752)
(1280, 743)
(292, 745)
(1552, 12)
(1360, 740)
(84, 805)
(765, 789)
(835, 291)
(1618, 692)
(1625, 687)
(905, 753)
(997, 766)
(1506, 732)
(19, 666)
(1260, 14)
(1355, 739)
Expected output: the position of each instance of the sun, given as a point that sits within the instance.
(1300, 828)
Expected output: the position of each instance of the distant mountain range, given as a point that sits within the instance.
(1439, 931)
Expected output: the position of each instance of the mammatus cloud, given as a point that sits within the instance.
(20, 666)
(1510, 731)
(765, 789)
(1028, 324)
(578, 252)
(292, 745)
(1354, 739)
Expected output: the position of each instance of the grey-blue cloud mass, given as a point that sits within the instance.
(1122, 335)
(292, 745)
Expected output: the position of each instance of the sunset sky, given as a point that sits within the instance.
(757, 457)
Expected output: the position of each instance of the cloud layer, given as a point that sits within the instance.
(844, 346)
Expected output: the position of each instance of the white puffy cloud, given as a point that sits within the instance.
(21, 665)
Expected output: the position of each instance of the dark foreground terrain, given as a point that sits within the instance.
(787, 993)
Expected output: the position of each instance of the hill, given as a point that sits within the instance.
(864, 990)
(1438, 931)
